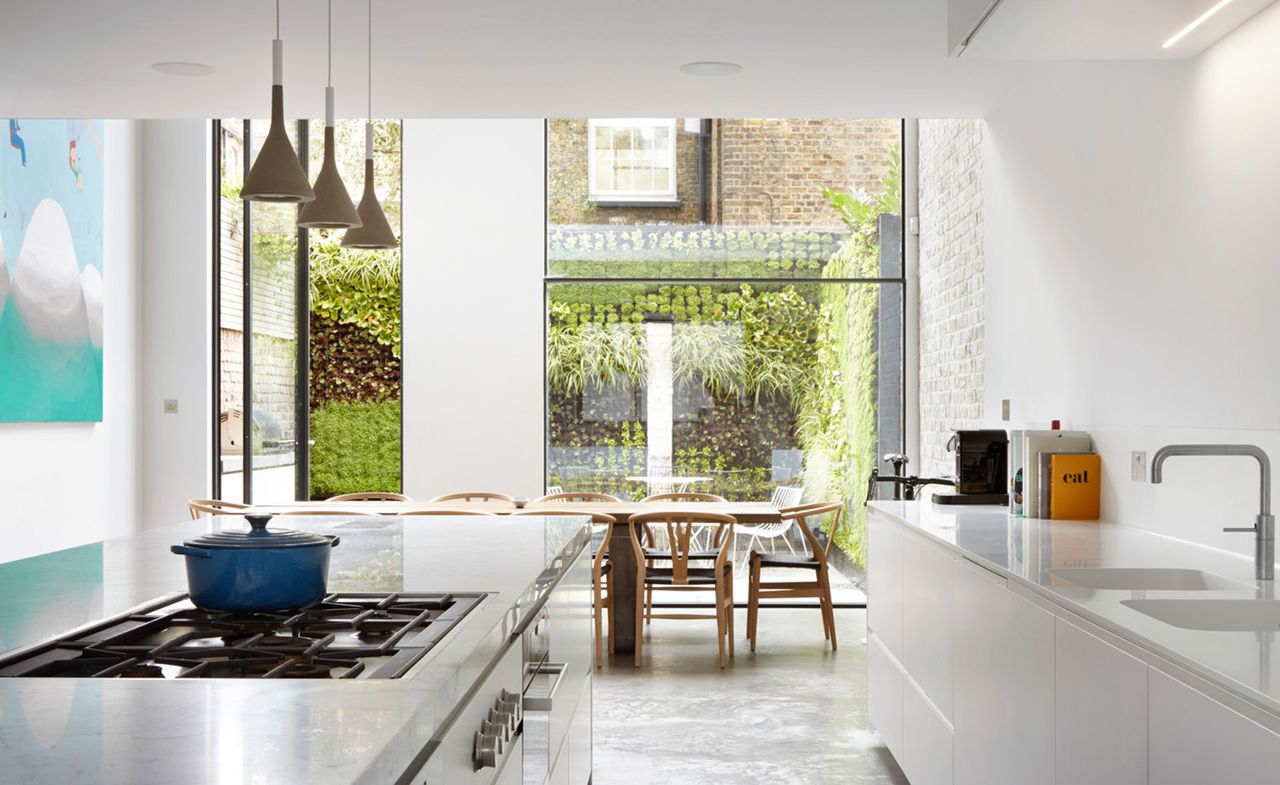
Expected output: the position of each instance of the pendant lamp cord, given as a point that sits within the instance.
(330, 42)
(370, 97)
(277, 18)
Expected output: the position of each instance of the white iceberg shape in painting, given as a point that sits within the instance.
(4, 278)
(91, 286)
(46, 280)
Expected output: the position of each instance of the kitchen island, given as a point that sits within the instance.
(133, 731)
(1011, 650)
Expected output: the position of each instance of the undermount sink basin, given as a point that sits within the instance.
(1215, 615)
(1146, 579)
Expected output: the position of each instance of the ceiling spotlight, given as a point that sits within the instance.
(711, 68)
(182, 69)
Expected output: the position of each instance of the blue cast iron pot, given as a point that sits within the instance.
(258, 570)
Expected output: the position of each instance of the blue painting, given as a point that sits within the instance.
(51, 201)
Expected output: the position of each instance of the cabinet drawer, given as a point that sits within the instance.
(1194, 740)
(927, 742)
(884, 695)
(884, 582)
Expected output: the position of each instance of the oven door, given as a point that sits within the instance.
(545, 719)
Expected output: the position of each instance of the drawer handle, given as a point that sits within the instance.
(487, 747)
(544, 702)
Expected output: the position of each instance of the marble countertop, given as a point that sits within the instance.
(1026, 551)
(223, 731)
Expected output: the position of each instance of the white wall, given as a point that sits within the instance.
(473, 249)
(176, 225)
(65, 484)
(1133, 269)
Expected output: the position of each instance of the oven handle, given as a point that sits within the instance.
(543, 704)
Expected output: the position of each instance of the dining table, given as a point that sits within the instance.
(622, 585)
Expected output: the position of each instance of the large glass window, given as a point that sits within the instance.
(749, 339)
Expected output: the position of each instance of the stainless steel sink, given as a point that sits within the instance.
(1146, 579)
(1216, 615)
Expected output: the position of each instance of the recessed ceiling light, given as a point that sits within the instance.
(183, 69)
(1198, 21)
(711, 68)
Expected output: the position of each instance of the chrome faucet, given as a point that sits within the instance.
(1264, 528)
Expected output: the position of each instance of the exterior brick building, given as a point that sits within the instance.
(752, 172)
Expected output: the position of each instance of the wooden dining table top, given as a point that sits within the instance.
(744, 512)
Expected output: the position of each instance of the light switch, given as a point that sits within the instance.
(1138, 465)
(1004, 409)
(170, 405)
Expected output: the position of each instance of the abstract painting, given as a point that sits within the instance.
(51, 202)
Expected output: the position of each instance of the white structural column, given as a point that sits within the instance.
(659, 391)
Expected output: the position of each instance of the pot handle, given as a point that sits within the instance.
(187, 550)
(333, 540)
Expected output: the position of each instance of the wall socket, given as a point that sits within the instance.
(1004, 409)
(170, 405)
(1138, 465)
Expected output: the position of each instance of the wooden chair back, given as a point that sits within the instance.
(679, 525)
(684, 496)
(475, 496)
(370, 496)
(819, 541)
(198, 507)
(326, 511)
(456, 511)
(577, 496)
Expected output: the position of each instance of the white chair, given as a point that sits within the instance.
(784, 496)
(552, 490)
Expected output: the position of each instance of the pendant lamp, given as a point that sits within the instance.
(374, 232)
(332, 208)
(277, 174)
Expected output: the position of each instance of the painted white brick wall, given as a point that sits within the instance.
(951, 286)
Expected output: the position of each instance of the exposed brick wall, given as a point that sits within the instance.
(771, 171)
(762, 172)
(951, 286)
(567, 182)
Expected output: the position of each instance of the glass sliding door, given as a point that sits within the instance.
(308, 333)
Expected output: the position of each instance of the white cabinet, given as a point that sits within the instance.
(1194, 740)
(885, 582)
(1004, 691)
(1101, 710)
(884, 695)
(928, 589)
(927, 749)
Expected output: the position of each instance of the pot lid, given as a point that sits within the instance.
(259, 536)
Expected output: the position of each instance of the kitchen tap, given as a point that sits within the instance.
(1264, 528)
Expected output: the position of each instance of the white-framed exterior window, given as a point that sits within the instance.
(632, 159)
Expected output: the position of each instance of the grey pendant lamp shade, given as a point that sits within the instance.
(332, 208)
(276, 175)
(374, 231)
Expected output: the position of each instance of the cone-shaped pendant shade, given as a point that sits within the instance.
(374, 232)
(277, 174)
(332, 208)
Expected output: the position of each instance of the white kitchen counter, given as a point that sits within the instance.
(241, 732)
(1025, 550)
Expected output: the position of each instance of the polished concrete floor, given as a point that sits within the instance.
(793, 712)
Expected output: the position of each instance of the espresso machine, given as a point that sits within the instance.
(982, 468)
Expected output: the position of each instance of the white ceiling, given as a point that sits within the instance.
(500, 58)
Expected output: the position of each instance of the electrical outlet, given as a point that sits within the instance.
(1004, 409)
(1138, 465)
(170, 405)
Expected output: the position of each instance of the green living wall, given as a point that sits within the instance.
(786, 365)
(355, 370)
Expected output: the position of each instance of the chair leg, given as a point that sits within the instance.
(720, 623)
(639, 616)
(831, 611)
(599, 620)
(728, 610)
(753, 602)
(648, 598)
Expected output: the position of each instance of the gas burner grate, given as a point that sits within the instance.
(348, 635)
